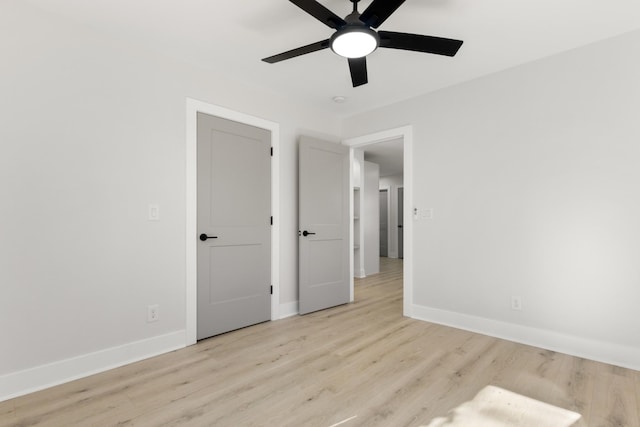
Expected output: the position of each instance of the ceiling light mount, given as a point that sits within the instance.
(354, 41)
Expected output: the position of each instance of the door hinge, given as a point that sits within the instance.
(271, 290)
(271, 151)
(271, 219)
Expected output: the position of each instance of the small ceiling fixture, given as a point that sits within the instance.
(355, 36)
(339, 99)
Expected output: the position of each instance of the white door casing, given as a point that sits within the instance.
(406, 133)
(193, 107)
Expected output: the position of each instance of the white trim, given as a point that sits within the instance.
(31, 380)
(289, 309)
(351, 231)
(613, 354)
(406, 133)
(193, 108)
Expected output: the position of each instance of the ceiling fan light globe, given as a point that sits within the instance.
(354, 43)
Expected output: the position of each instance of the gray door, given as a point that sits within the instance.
(384, 223)
(323, 220)
(234, 221)
(400, 221)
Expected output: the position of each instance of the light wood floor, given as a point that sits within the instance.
(361, 361)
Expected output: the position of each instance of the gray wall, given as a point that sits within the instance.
(92, 130)
(533, 177)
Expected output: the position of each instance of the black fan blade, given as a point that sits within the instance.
(358, 68)
(313, 47)
(379, 11)
(321, 13)
(419, 43)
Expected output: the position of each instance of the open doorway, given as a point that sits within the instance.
(382, 147)
(389, 156)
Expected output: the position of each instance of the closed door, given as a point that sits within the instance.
(400, 221)
(234, 220)
(384, 223)
(323, 236)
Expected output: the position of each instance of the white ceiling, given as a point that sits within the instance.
(231, 37)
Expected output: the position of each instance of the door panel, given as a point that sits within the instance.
(323, 210)
(234, 206)
(229, 283)
(324, 205)
(237, 162)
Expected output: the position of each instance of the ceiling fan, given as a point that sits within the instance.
(355, 36)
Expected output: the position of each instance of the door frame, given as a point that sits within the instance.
(193, 108)
(406, 133)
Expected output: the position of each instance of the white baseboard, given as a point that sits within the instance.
(289, 309)
(614, 354)
(30, 380)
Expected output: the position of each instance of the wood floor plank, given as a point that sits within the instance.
(637, 392)
(362, 364)
(614, 403)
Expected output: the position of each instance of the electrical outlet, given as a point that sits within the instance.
(153, 313)
(516, 303)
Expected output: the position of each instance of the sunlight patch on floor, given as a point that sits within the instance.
(496, 407)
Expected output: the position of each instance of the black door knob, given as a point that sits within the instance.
(204, 237)
(305, 233)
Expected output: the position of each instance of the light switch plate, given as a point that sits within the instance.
(422, 214)
(154, 212)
